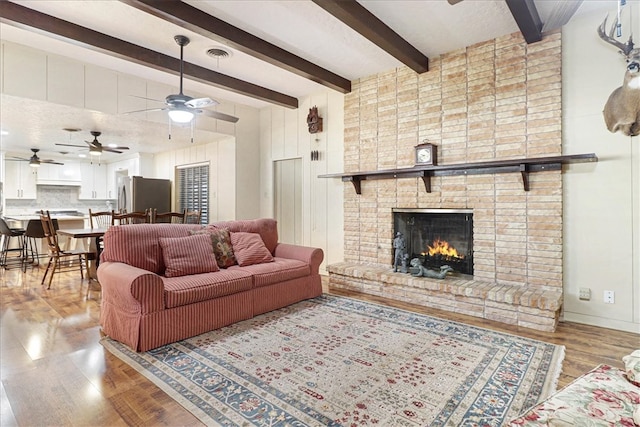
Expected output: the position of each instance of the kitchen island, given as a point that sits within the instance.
(66, 220)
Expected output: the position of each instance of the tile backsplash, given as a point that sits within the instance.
(56, 197)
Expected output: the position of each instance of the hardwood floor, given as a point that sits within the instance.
(55, 372)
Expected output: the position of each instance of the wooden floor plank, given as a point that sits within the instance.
(54, 371)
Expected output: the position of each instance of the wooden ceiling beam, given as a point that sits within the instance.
(368, 25)
(22, 17)
(527, 18)
(194, 19)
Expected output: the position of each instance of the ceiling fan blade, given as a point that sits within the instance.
(117, 148)
(218, 115)
(21, 159)
(51, 162)
(145, 110)
(71, 145)
(148, 99)
(111, 150)
(201, 103)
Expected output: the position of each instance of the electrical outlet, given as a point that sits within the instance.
(585, 294)
(609, 297)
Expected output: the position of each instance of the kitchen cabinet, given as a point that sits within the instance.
(94, 182)
(112, 192)
(20, 180)
(101, 89)
(64, 76)
(67, 174)
(24, 72)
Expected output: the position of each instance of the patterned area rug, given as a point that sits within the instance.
(337, 361)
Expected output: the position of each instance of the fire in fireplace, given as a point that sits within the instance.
(438, 237)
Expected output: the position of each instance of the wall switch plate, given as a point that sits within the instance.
(609, 297)
(585, 294)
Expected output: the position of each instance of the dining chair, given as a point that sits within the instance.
(192, 217)
(168, 217)
(131, 218)
(57, 257)
(7, 233)
(100, 219)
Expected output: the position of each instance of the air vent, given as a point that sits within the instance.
(218, 53)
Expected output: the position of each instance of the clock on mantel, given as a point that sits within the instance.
(426, 154)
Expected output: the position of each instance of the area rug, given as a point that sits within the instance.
(334, 361)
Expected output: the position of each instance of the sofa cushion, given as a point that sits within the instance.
(138, 246)
(267, 228)
(249, 249)
(185, 290)
(188, 255)
(280, 270)
(221, 241)
(632, 367)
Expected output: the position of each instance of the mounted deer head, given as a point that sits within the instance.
(622, 110)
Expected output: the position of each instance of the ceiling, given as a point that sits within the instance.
(280, 50)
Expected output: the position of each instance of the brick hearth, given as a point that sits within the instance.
(499, 99)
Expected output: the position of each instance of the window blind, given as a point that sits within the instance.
(192, 183)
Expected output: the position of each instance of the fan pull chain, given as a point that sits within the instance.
(169, 128)
(621, 3)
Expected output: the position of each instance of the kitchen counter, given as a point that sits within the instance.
(27, 217)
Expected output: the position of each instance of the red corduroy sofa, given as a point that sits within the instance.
(144, 309)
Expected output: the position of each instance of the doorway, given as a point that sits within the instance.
(288, 199)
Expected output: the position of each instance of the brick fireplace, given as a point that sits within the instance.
(500, 99)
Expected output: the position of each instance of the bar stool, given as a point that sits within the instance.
(30, 252)
(5, 248)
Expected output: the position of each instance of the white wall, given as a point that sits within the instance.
(602, 200)
(220, 155)
(284, 135)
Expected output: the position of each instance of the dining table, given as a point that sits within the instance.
(93, 235)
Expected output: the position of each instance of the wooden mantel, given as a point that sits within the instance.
(524, 166)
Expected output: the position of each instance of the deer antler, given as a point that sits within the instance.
(625, 48)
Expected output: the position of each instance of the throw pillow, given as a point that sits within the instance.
(249, 249)
(632, 367)
(221, 243)
(187, 255)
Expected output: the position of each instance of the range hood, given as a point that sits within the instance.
(67, 175)
(59, 182)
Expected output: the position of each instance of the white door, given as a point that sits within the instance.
(288, 200)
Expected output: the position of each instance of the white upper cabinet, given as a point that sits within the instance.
(94, 182)
(24, 72)
(132, 92)
(101, 89)
(63, 75)
(20, 180)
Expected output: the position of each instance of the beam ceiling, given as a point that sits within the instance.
(193, 19)
(31, 20)
(527, 18)
(368, 25)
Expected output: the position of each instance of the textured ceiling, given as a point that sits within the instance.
(298, 26)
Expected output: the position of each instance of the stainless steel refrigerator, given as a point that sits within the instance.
(135, 194)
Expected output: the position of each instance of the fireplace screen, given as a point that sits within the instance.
(437, 237)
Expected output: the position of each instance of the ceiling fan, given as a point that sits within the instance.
(182, 108)
(95, 147)
(35, 161)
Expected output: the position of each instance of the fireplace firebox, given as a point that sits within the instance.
(437, 236)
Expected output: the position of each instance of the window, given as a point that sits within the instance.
(192, 186)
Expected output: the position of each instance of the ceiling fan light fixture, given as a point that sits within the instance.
(180, 116)
(94, 151)
(34, 163)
